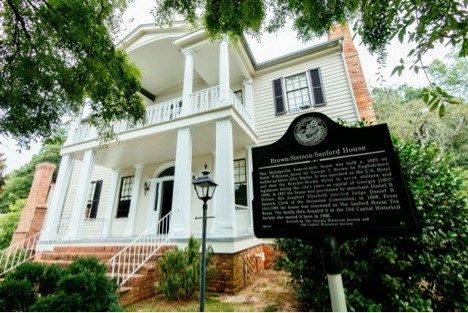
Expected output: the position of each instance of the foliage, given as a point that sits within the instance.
(82, 286)
(180, 272)
(451, 74)
(408, 118)
(19, 181)
(2, 171)
(54, 54)
(9, 222)
(427, 272)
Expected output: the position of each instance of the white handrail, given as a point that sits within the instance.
(205, 99)
(132, 257)
(21, 252)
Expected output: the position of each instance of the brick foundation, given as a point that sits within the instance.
(33, 214)
(356, 75)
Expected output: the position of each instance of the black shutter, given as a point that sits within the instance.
(97, 196)
(317, 87)
(278, 96)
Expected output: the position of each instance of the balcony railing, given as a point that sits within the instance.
(201, 101)
(244, 221)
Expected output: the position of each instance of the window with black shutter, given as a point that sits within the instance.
(125, 196)
(93, 199)
(278, 95)
(317, 88)
(240, 182)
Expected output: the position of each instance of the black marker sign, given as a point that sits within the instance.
(321, 177)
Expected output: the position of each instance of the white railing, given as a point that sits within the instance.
(240, 107)
(244, 221)
(201, 101)
(205, 99)
(21, 252)
(131, 258)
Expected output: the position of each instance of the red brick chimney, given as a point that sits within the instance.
(33, 214)
(358, 82)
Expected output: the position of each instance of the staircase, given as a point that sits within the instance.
(133, 264)
(21, 252)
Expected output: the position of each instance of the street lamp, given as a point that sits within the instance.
(205, 187)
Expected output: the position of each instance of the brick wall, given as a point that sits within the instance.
(356, 75)
(33, 214)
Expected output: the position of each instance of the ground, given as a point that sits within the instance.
(269, 292)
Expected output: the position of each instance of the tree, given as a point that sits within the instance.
(409, 118)
(2, 171)
(19, 181)
(427, 272)
(54, 55)
(421, 23)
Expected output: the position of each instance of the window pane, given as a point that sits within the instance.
(297, 92)
(125, 196)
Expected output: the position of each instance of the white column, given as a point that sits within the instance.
(81, 196)
(223, 70)
(111, 199)
(188, 83)
(248, 98)
(58, 198)
(182, 193)
(73, 127)
(224, 224)
(136, 190)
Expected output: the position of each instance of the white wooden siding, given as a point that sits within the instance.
(339, 101)
(91, 228)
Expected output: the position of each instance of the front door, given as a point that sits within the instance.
(160, 200)
(166, 203)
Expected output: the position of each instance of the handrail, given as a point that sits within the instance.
(21, 252)
(132, 257)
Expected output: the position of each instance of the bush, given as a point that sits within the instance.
(82, 286)
(423, 273)
(180, 272)
(9, 222)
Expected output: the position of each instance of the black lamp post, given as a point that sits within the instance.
(205, 187)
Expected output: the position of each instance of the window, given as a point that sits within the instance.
(240, 182)
(125, 196)
(297, 92)
(93, 199)
(291, 94)
(239, 95)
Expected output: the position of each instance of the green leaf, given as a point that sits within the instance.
(441, 110)
(401, 34)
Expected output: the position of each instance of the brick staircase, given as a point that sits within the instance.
(139, 286)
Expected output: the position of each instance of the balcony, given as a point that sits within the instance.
(202, 101)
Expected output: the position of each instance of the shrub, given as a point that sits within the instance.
(82, 286)
(423, 273)
(9, 222)
(180, 272)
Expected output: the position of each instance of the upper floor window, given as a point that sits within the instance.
(125, 196)
(298, 92)
(93, 199)
(240, 182)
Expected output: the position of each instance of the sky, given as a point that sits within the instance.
(269, 47)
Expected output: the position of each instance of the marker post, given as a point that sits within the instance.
(332, 264)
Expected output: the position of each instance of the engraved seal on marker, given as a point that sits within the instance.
(310, 131)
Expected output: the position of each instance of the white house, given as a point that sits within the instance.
(207, 101)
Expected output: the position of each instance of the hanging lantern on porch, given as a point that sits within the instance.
(205, 186)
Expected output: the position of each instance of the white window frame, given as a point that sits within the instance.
(309, 86)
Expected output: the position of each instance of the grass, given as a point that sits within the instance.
(159, 304)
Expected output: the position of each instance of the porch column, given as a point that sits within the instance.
(224, 224)
(136, 190)
(223, 70)
(188, 83)
(73, 128)
(249, 185)
(248, 96)
(81, 196)
(113, 194)
(54, 211)
(182, 192)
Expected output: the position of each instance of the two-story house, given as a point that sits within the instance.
(207, 101)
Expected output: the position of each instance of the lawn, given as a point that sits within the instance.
(270, 292)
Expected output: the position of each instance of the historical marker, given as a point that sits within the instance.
(324, 178)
